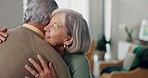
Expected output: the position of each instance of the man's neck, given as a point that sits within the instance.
(38, 26)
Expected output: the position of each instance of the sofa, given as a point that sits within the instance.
(135, 65)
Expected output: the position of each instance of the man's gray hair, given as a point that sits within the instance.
(77, 28)
(39, 11)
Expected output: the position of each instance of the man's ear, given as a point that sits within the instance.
(68, 41)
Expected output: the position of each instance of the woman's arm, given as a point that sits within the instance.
(78, 65)
(3, 34)
(46, 71)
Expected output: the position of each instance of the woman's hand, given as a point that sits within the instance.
(47, 71)
(3, 34)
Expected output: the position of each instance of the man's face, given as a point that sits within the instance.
(55, 31)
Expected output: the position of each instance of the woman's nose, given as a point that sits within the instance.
(47, 28)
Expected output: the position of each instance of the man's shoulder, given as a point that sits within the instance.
(20, 30)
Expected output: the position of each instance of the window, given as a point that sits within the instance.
(107, 23)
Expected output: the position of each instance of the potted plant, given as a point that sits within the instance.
(101, 47)
(128, 30)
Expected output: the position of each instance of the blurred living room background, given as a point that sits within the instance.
(115, 23)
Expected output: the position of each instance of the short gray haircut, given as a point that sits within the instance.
(77, 28)
(39, 11)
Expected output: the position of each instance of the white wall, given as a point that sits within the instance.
(75, 5)
(95, 18)
(11, 12)
(126, 11)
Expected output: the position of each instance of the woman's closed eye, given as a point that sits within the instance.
(55, 26)
(52, 26)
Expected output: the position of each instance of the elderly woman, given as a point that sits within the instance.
(68, 33)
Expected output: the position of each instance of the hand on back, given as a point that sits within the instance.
(43, 71)
(3, 35)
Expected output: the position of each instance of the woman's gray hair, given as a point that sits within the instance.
(39, 11)
(77, 28)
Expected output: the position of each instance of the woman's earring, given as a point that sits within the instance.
(65, 46)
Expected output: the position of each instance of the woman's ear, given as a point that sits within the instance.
(68, 41)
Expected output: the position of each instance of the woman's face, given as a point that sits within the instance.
(55, 31)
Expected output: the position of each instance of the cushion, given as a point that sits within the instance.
(111, 69)
(136, 61)
(127, 62)
(144, 58)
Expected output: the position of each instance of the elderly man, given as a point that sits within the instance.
(27, 41)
